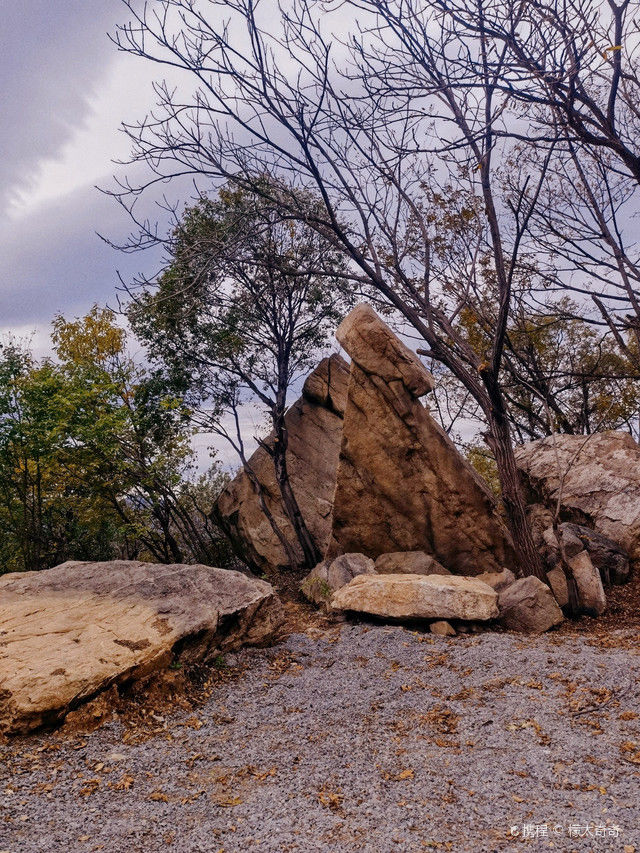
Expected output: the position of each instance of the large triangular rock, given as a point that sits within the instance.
(314, 424)
(401, 483)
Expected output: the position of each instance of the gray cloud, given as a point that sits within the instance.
(53, 54)
(53, 260)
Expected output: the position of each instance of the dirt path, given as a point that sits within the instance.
(366, 738)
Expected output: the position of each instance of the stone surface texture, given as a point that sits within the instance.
(591, 597)
(314, 423)
(497, 580)
(597, 480)
(528, 605)
(409, 563)
(401, 483)
(69, 632)
(418, 597)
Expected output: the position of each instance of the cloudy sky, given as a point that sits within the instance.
(65, 91)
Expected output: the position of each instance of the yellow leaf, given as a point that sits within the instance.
(229, 802)
(159, 797)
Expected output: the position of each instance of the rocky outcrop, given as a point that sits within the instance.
(70, 632)
(418, 597)
(314, 424)
(595, 477)
(331, 575)
(528, 605)
(409, 563)
(401, 483)
(568, 562)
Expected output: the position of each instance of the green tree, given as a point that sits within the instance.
(95, 456)
(241, 312)
(47, 513)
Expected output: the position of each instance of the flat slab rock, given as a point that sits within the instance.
(418, 597)
(69, 632)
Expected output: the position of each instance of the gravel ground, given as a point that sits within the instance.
(366, 738)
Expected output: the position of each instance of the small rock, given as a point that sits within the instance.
(497, 580)
(331, 575)
(570, 542)
(409, 563)
(611, 560)
(442, 628)
(528, 605)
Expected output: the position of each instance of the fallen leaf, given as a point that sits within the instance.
(159, 797)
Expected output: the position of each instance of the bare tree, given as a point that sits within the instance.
(402, 108)
(573, 67)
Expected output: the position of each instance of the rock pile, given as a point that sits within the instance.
(405, 523)
(353, 582)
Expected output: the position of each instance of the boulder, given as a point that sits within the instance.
(597, 479)
(528, 605)
(401, 483)
(70, 632)
(591, 597)
(611, 560)
(314, 424)
(418, 597)
(409, 563)
(442, 628)
(497, 580)
(330, 575)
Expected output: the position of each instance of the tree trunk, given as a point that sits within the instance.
(499, 438)
(312, 555)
